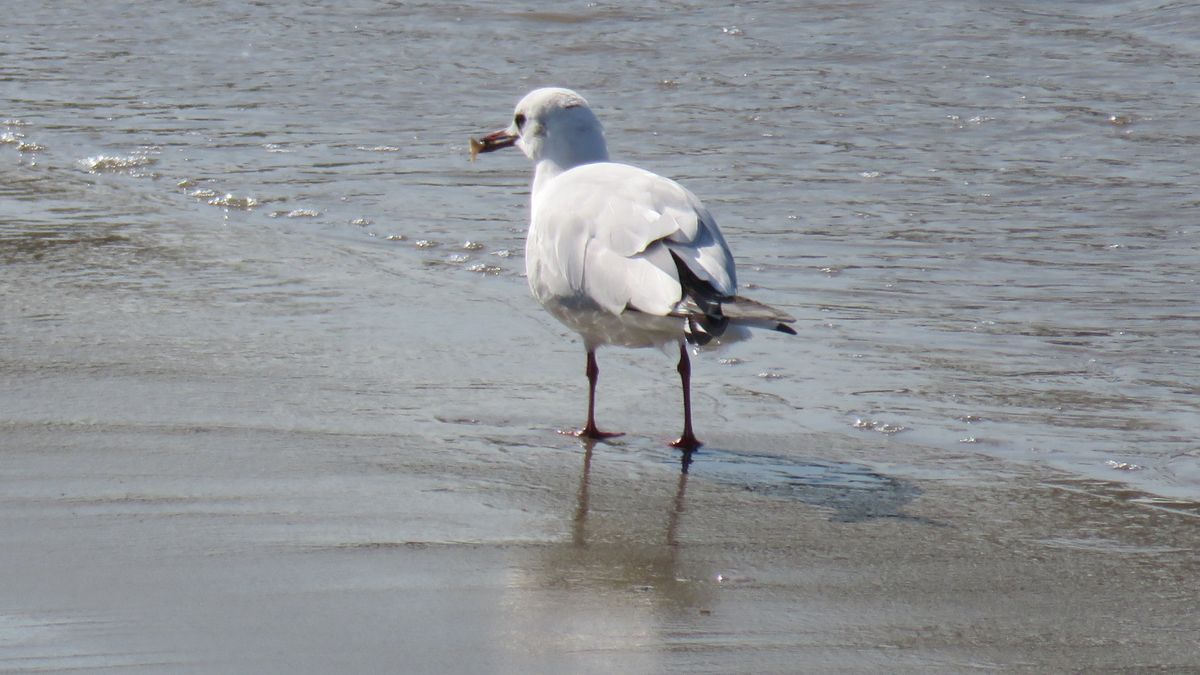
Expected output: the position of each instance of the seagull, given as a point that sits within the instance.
(621, 255)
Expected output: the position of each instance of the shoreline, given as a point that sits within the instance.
(306, 552)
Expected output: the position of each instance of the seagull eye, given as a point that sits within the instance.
(520, 121)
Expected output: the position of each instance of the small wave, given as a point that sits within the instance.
(18, 139)
(875, 425)
(232, 201)
(296, 213)
(481, 268)
(110, 163)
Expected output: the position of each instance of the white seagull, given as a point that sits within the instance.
(621, 255)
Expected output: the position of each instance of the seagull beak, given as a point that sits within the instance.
(493, 141)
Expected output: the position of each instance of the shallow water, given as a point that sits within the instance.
(982, 215)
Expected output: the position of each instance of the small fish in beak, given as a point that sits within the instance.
(493, 141)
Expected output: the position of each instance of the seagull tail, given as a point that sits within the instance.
(711, 320)
(709, 312)
(743, 311)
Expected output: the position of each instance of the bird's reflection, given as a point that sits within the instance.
(581, 503)
(685, 461)
(678, 505)
(579, 522)
(623, 576)
(625, 538)
(635, 569)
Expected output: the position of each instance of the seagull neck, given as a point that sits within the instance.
(548, 168)
(545, 171)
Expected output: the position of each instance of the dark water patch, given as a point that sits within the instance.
(854, 492)
(15, 247)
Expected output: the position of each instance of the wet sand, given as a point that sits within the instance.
(219, 474)
(141, 548)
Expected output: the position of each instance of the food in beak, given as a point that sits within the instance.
(476, 146)
(493, 141)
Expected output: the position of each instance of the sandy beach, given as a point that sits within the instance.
(319, 514)
(250, 550)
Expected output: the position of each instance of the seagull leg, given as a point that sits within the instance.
(593, 374)
(687, 441)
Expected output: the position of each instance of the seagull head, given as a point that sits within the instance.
(551, 124)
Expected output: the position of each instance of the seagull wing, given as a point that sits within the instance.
(616, 235)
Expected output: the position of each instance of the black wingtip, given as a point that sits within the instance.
(784, 328)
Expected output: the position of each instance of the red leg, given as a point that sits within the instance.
(590, 430)
(687, 441)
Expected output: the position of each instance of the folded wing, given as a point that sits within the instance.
(616, 235)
